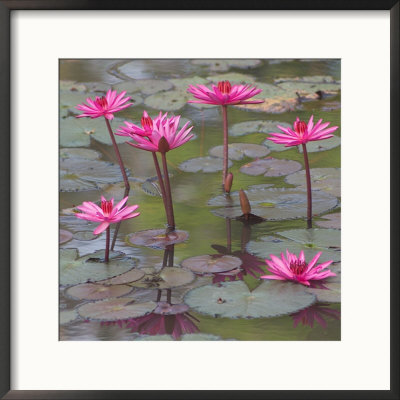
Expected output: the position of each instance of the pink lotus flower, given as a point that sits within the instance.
(104, 106)
(293, 268)
(303, 133)
(107, 214)
(147, 125)
(224, 94)
(164, 135)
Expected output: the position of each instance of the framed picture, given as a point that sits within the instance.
(182, 201)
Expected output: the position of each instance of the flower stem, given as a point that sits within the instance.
(160, 182)
(121, 164)
(107, 255)
(225, 165)
(228, 235)
(170, 208)
(308, 179)
(116, 230)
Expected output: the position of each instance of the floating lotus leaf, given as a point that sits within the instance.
(245, 128)
(165, 308)
(331, 106)
(270, 167)
(275, 105)
(267, 245)
(80, 174)
(93, 291)
(145, 86)
(79, 153)
(325, 179)
(68, 316)
(331, 221)
(224, 65)
(74, 270)
(206, 264)
(131, 276)
(271, 91)
(72, 86)
(76, 224)
(186, 337)
(324, 238)
(157, 238)
(169, 277)
(233, 77)
(273, 203)
(275, 146)
(183, 83)
(308, 84)
(85, 236)
(237, 151)
(330, 295)
(234, 300)
(115, 309)
(321, 145)
(168, 101)
(76, 132)
(65, 236)
(204, 164)
(336, 268)
(70, 99)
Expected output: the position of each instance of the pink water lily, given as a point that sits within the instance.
(106, 214)
(104, 106)
(147, 125)
(224, 94)
(293, 268)
(303, 133)
(163, 137)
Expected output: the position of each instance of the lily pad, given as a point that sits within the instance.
(270, 167)
(80, 175)
(203, 164)
(115, 309)
(131, 276)
(182, 84)
(245, 128)
(172, 100)
(79, 153)
(234, 300)
(169, 277)
(330, 221)
(324, 179)
(332, 293)
(165, 308)
(267, 245)
(207, 264)
(237, 151)
(76, 132)
(275, 105)
(308, 84)
(85, 236)
(221, 65)
(273, 203)
(93, 291)
(321, 145)
(74, 270)
(65, 236)
(324, 238)
(157, 238)
(68, 316)
(232, 77)
(144, 86)
(72, 86)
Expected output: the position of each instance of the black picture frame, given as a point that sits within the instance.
(6, 8)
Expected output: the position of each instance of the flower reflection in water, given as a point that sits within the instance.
(316, 313)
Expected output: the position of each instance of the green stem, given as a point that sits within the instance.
(308, 179)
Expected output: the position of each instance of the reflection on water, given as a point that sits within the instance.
(210, 237)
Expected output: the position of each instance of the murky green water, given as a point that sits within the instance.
(208, 233)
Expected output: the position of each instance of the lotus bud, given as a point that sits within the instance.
(163, 145)
(228, 182)
(244, 202)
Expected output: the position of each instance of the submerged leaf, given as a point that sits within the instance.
(234, 300)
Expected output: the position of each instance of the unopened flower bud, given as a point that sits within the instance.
(244, 202)
(228, 182)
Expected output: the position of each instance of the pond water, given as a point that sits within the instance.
(160, 294)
